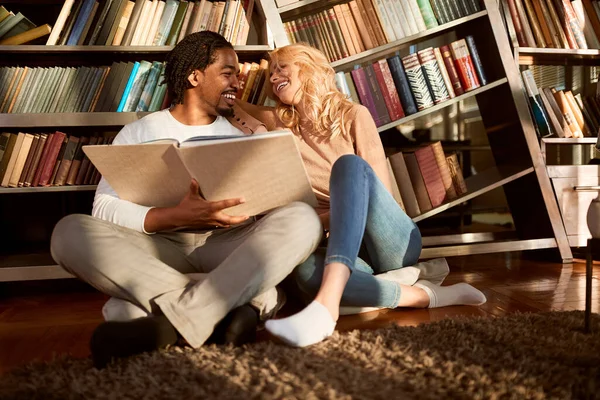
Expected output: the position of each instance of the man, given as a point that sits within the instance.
(139, 254)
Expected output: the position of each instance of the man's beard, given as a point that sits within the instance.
(225, 111)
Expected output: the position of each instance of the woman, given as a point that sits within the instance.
(355, 203)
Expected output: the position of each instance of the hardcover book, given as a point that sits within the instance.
(265, 169)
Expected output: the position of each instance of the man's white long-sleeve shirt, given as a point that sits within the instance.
(159, 125)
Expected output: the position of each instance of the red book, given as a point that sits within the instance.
(452, 74)
(48, 168)
(43, 159)
(464, 65)
(431, 175)
(386, 84)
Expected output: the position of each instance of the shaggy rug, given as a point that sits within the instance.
(522, 356)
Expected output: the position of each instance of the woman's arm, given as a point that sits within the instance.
(368, 146)
(266, 115)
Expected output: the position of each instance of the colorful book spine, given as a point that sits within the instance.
(537, 108)
(417, 82)
(451, 69)
(433, 75)
(464, 65)
(402, 86)
(427, 12)
(476, 59)
(364, 93)
(128, 86)
(386, 83)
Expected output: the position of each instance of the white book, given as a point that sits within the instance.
(394, 23)
(585, 24)
(404, 7)
(265, 169)
(142, 23)
(60, 22)
(416, 13)
(158, 12)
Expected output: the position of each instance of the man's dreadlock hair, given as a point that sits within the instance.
(195, 51)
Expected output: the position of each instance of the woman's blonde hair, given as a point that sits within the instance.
(326, 107)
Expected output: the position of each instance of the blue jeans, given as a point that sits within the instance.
(364, 215)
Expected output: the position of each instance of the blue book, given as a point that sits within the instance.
(84, 14)
(146, 97)
(136, 66)
(476, 60)
(401, 82)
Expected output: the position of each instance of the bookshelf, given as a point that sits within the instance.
(519, 170)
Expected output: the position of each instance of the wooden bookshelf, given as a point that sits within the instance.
(444, 104)
(550, 56)
(479, 184)
(61, 120)
(519, 170)
(49, 189)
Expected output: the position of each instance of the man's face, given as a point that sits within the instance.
(217, 85)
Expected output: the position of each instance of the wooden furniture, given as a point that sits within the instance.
(519, 169)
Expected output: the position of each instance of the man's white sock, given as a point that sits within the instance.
(459, 294)
(311, 325)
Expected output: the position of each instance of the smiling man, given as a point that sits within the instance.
(140, 255)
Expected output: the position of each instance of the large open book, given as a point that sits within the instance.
(266, 169)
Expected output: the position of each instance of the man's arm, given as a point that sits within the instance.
(192, 212)
(266, 115)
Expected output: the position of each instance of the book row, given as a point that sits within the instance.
(18, 29)
(560, 24)
(560, 112)
(47, 159)
(122, 87)
(359, 25)
(396, 87)
(149, 22)
(425, 179)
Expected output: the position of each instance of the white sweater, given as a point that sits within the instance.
(159, 125)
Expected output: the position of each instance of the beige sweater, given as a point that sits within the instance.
(319, 154)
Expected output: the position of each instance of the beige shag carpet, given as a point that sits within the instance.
(522, 356)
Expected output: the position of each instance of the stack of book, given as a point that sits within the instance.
(351, 28)
(47, 159)
(122, 87)
(149, 22)
(560, 24)
(18, 29)
(397, 87)
(559, 112)
(425, 179)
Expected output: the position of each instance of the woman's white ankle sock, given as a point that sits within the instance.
(458, 294)
(311, 325)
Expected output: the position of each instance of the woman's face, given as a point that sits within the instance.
(286, 82)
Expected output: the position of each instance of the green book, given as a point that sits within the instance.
(177, 23)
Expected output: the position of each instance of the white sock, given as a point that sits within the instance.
(311, 325)
(459, 294)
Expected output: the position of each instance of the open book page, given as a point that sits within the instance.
(146, 174)
(266, 169)
(192, 140)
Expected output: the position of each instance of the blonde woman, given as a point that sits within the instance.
(345, 159)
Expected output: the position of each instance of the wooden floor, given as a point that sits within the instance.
(40, 319)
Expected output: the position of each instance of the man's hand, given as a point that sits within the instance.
(193, 211)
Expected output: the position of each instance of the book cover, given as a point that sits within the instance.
(433, 75)
(417, 82)
(267, 170)
(402, 86)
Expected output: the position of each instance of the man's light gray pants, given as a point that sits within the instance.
(149, 270)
